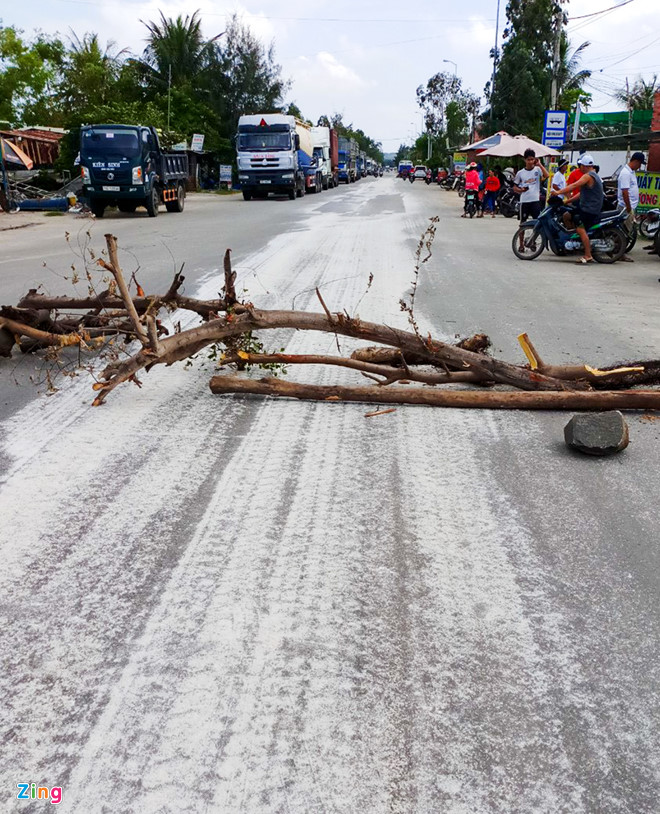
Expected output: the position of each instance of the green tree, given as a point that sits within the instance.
(250, 80)
(402, 154)
(89, 74)
(448, 108)
(524, 72)
(28, 73)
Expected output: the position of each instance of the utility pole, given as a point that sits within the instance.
(554, 93)
(629, 120)
(576, 126)
(169, 88)
(497, 36)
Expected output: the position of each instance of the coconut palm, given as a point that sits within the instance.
(176, 50)
(641, 95)
(89, 72)
(571, 77)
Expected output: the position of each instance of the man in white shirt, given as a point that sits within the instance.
(527, 184)
(627, 196)
(559, 179)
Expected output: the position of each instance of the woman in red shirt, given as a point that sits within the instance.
(492, 188)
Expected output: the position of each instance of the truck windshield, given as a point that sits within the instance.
(99, 143)
(264, 141)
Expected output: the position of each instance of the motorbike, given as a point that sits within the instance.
(471, 202)
(508, 203)
(648, 223)
(429, 178)
(608, 237)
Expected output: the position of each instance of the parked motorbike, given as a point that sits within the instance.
(508, 203)
(608, 237)
(429, 178)
(648, 223)
(471, 202)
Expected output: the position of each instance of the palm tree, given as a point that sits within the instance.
(176, 51)
(642, 94)
(89, 72)
(571, 77)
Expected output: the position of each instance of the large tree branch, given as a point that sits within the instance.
(479, 399)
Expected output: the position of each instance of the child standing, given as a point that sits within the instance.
(492, 188)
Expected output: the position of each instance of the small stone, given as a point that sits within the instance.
(597, 433)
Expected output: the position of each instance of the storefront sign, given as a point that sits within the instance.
(649, 190)
(460, 161)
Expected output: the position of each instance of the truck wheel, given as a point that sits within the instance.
(292, 194)
(97, 209)
(178, 204)
(152, 203)
(247, 196)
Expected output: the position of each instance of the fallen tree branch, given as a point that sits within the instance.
(389, 374)
(44, 337)
(115, 269)
(187, 343)
(465, 399)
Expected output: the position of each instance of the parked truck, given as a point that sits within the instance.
(123, 165)
(274, 152)
(347, 157)
(326, 151)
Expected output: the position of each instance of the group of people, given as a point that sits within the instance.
(583, 190)
(487, 185)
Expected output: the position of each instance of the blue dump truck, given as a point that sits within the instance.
(347, 159)
(274, 154)
(122, 165)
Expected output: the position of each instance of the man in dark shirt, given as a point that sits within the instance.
(590, 203)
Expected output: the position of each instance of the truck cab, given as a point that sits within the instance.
(123, 165)
(274, 152)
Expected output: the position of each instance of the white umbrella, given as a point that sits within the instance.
(516, 145)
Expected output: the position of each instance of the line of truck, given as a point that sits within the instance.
(280, 154)
(124, 165)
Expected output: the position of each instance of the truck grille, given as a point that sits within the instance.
(258, 163)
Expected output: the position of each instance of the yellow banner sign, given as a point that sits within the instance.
(649, 190)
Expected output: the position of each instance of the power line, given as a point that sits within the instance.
(604, 11)
(102, 3)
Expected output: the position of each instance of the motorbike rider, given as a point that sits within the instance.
(472, 182)
(587, 208)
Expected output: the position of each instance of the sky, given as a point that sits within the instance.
(366, 59)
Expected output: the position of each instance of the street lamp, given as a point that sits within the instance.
(453, 63)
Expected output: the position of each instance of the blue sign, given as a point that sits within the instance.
(555, 128)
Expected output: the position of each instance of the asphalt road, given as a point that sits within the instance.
(216, 604)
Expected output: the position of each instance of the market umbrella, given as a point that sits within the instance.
(13, 157)
(516, 145)
(486, 143)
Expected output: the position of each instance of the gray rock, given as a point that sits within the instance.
(597, 433)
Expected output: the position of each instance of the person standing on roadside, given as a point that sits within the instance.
(558, 179)
(588, 206)
(527, 184)
(492, 190)
(627, 192)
